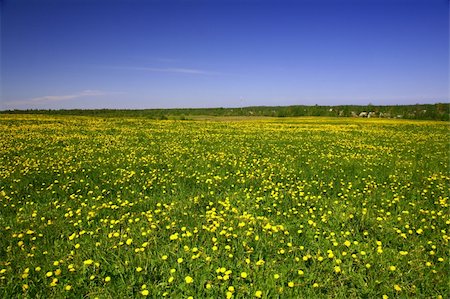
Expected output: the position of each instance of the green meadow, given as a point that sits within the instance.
(313, 207)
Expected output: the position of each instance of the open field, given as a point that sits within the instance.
(223, 208)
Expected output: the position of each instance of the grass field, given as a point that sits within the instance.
(223, 208)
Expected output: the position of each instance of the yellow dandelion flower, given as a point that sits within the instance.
(54, 282)
(188, 279)
(258, 294)
(88, 262)
(260, 263)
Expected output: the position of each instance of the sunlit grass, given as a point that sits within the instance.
(223, 208)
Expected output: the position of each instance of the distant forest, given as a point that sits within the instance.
(439, 111)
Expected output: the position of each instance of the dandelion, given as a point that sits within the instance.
(54, 282)
(107, 279)
(188, 279)
(68, 287)
(244, 274)
(88, 262)
(291, 284)
(258, 294)
(397, 287)
(145, 292)
(260, 263)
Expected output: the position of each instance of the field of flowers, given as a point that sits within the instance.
(95, 207)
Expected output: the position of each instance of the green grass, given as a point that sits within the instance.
(306, 207)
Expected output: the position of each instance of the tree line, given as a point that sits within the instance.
(438, 111)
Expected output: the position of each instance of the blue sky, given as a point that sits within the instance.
(165, 54)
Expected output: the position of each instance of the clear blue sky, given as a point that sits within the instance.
(163, 54)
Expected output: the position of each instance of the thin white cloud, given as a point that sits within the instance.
(166, 70)
(56, 98)
(163, 59)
